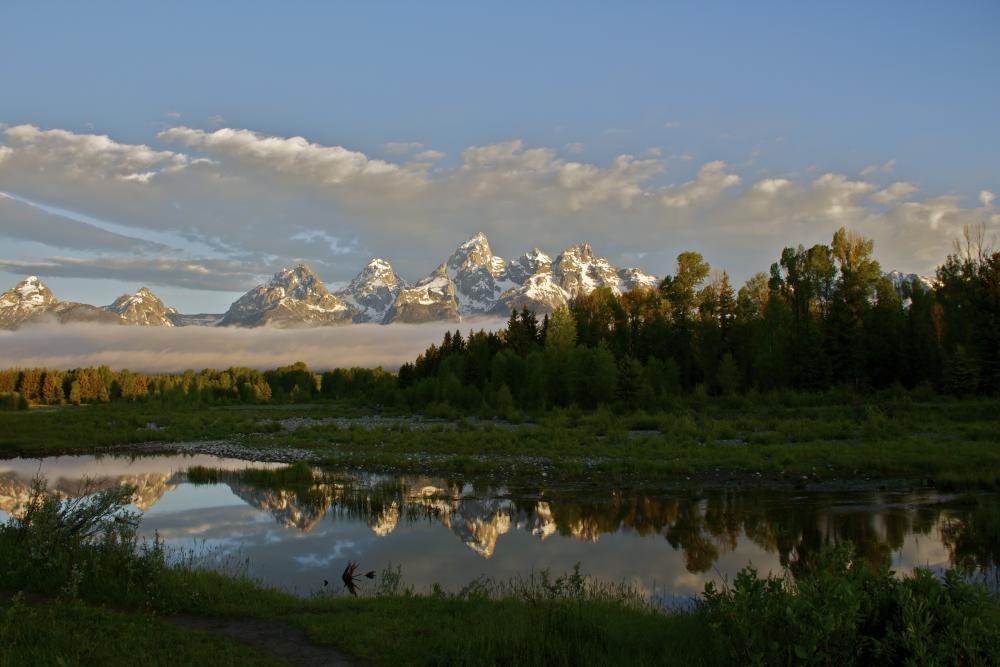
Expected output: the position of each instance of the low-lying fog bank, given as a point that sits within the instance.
(167, 349)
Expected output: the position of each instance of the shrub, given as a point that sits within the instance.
(82, 547)
(13, 401)
(848, 613)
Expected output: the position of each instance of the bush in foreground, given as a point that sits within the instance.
(847, 613)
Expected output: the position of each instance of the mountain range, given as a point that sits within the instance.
(471, 282)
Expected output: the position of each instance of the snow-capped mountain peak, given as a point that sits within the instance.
(431, 299)
(473, 254)
(26, 299)
(372, 292)
(527, 265)
(480, 277)
(472, 281)
(293, 297)
(30, 292)
(143, 308)
(899, 279)
(578, 271)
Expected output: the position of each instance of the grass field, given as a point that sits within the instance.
(954, 444)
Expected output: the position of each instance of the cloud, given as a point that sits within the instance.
(25, 222)
(238, 204)
(87, 155)
(575, 148)
(430, 155)
(168, 349)
(509, 169)
(838, 194)
(711, 181)
(895, 192)
(986, 198)
(327, 165)
(874, 169)
(401, 147)
(770, 187)
(202, 274)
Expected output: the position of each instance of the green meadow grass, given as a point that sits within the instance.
(954, 444)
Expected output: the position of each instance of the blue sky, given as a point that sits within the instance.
(879, 93)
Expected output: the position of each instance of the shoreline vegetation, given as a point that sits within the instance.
(68, 566)
(892, 437)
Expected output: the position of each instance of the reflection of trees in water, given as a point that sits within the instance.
(702, 525)
(706, 525)
(974, 539)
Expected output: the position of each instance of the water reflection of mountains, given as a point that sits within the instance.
(703, 526)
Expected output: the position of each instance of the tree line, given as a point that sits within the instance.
(823, 317)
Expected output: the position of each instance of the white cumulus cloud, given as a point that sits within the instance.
(712, 181)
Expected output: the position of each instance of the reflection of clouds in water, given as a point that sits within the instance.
(440, 531)
(925, 551)
(338, 552)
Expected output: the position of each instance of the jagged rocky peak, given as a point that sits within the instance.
(143, 309)
(299, 282)
(25, 300)
(30, 292)
(631, 278)
(539, 293)
(475, 253)
(430, 300)
(30, 301)
(293, 297)
(372, 292)
(900, 279)
(527, 265)
(480, 277)
(577, 271)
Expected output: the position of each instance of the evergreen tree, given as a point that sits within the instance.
(728, 375)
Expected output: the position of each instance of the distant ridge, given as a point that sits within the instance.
(471, 282)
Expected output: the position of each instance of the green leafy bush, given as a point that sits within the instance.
(846, 613)
(13, 401)
(84, 548)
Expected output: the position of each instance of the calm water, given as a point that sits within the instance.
(450, 532)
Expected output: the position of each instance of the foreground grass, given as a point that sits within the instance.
(63, 633)
(83, 567)
(955, 444)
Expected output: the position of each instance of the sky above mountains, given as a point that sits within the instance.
(198, 147)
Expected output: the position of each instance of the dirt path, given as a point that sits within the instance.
(272, 638)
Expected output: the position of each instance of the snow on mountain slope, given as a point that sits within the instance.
(293, 297)
(471, 282)
(372, 292)
(430, 300)
(480, 277)
(143, 309)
